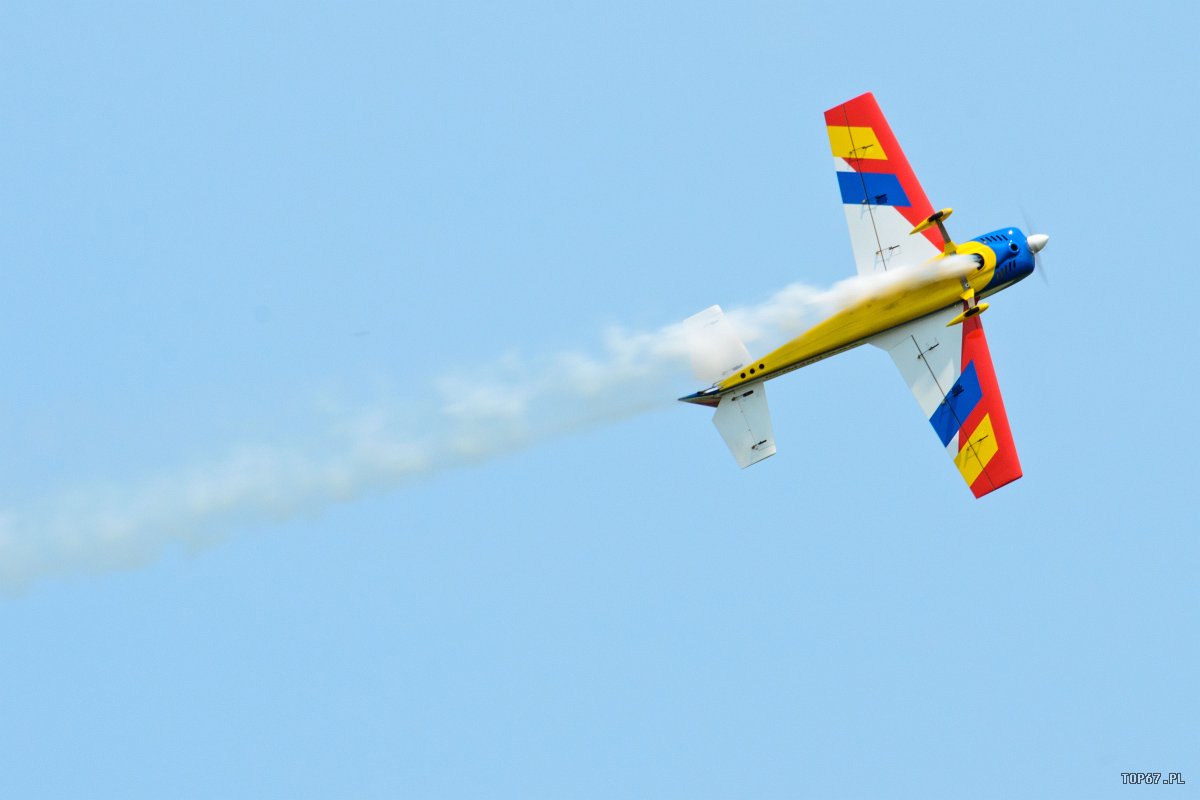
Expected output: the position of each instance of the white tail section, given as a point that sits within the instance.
(714, 348)
(745, 424)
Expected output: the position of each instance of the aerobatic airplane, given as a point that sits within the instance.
(924, 311)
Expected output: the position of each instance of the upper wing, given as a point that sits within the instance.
(881, 195)
(950, 372)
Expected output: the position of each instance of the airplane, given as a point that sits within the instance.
(923, 308)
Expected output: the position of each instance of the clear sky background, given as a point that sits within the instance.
(244, 244)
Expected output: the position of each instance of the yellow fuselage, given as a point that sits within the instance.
(903, 301)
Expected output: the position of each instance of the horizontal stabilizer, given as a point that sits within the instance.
(745, 424)
(714, 348)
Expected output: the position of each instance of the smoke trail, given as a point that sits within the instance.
(511, 404)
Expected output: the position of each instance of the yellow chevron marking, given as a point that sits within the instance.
(976, 454)
(851, 142)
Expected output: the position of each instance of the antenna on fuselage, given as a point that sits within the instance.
(936, 218)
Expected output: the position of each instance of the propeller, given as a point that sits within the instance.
(1036, 242)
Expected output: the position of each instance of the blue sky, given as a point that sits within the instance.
(254, 255)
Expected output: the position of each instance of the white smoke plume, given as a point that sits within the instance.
(511, 404)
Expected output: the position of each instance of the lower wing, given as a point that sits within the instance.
(949, 370)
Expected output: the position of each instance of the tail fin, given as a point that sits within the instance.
(742, 417)
(714, 348)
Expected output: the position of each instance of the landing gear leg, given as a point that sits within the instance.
(971, 306)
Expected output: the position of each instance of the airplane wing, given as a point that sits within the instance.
(950, 372)
(881, 195)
